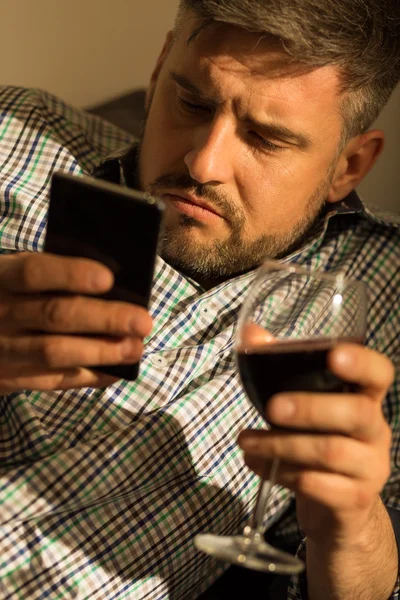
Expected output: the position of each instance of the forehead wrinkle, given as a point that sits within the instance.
(258, 116)
(271, 90)
(268, 69)
(208, 71)
(242, 103)
(253, 57)
(253, 52)
(237, 80)
(250, 54)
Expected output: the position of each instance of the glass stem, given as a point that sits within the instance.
(255, 531)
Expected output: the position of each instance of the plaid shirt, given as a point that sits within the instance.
(103, 490)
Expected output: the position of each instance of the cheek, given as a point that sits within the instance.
(276, 198)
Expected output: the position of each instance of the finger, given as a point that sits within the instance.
(286, 474)
(331, 490)
(331, 453)
(58, 352)
(40, 272)
(336, 491)
(255, 335)
(374, 372)
(356, 415)
(78, 314)
(54, 380)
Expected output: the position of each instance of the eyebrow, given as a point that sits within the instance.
(298, 138)
(190, 87)
(280, 131)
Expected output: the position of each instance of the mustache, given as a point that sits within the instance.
(206, 192)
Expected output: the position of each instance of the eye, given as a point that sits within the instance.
(191, 107)
(264, 143)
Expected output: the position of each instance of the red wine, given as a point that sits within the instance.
(290, 365)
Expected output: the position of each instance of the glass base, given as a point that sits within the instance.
(239, 550)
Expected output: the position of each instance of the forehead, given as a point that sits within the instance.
(231, 59)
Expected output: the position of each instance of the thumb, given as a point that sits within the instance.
(255, 335)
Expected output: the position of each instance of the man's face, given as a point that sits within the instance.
(242, 147)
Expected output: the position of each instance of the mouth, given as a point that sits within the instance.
(193, 207)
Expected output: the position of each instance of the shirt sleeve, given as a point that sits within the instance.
(40, 134)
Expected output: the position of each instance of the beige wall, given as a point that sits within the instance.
(381, 187)
(90, 51)
(85, 51)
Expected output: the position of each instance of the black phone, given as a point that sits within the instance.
(114, 225)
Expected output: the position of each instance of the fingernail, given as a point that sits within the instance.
(282, 407)
(343, 358)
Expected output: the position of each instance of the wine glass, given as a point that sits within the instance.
(290, 320)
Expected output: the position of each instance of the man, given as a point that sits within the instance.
(257, 134)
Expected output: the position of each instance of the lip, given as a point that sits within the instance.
(192, 206)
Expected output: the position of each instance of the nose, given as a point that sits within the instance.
(210, 160)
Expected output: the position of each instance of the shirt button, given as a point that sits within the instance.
(158, 361)
(207, 312)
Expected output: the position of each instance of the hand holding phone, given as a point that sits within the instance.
(111, 224)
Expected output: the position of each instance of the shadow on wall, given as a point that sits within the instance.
(126, 111)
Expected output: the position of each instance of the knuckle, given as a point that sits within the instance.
(54, 352)
(59, 314)
(121, 352)
(311, 412)
(10, 312)
(303, 482)
(331, 450)
(291, 447)
(54, 314)
(363, 412)
(115, 320)
(106, 352)
(363, 496)
(5, 349)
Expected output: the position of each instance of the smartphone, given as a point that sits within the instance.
(114, 225)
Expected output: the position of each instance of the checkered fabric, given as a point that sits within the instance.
(103, 490)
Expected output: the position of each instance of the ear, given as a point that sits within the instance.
(355, 161)
(157, 69)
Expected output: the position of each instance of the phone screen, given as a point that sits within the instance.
(114, 225)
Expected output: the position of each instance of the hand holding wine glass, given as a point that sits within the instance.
(290, 322)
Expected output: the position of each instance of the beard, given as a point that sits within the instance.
(222, 259)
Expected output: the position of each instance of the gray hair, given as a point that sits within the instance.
(361, 37)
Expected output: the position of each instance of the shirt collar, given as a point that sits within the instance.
(120, 166)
